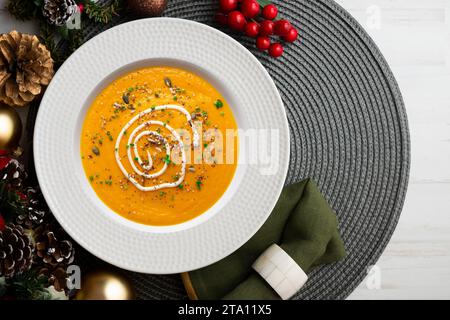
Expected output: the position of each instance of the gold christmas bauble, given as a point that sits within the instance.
(10, 128)
(105, 285)
(147, 8)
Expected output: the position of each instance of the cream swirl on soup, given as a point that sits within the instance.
(133, 142)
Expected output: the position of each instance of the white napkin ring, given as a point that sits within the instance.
(280, 271)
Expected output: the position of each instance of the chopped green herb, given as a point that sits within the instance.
(175, 98)
(205, 145)
(91, 178)
(162, 193)
(181, 186)
(166, 159)
(218, 104)
(199, 184)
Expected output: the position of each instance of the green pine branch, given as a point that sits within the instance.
(104, 14)
(29, 286)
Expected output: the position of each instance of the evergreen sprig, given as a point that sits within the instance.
(30, 286)
(103, 14)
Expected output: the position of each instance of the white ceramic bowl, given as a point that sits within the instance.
(239, 213)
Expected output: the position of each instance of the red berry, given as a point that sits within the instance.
(81, 7)
(282, 27)
(2, 223)
(236, 20)
(262, 43)
(291, 36)
(228, 5)
(222, 18)
(276, 50)
(270, 12)
(250, 8)
(267, 27)
(252, 29)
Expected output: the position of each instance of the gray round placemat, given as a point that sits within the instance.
(349, 132)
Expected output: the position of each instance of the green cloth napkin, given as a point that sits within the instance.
(302, 223)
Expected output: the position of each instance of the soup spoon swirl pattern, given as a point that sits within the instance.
(133, 154)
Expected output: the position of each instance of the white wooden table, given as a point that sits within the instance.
(414, 36)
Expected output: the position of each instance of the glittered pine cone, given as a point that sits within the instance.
(34, 209)
(58, 12)
(57, 277)
(25, 68)
(13, 174)
(53, 246)
(16, 251)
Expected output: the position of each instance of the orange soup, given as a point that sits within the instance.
(156, 144)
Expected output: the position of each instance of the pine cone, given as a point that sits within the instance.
(57, 277)
(16, 251)
(35, 209)
(53, 246)
(25, 67)
(59, 12)
(13, 174)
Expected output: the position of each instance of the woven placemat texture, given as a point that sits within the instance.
(349, 133)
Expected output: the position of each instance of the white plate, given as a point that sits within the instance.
(256, 104)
